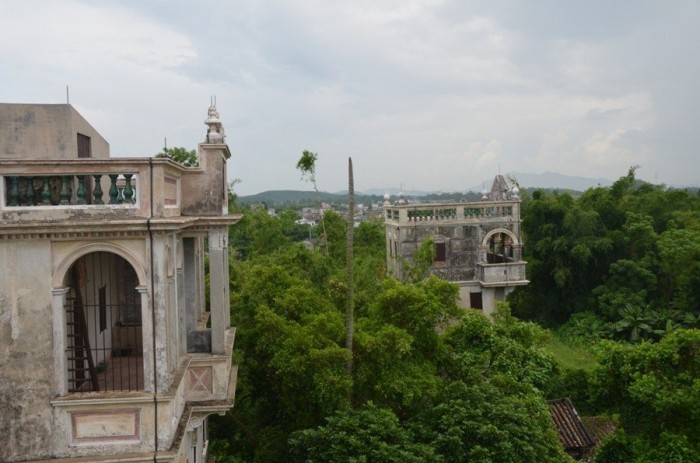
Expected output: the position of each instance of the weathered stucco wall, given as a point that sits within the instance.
(45, 131)
(461, 247)
(205, 192)
(26, 351)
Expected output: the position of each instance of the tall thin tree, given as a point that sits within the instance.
(307, 167)
(350, 308)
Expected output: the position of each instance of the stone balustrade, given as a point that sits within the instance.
(51, 190)
(453, 212)
(70, 190)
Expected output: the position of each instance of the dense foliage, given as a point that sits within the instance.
(431, 381)
(624, 260)
(622, 263)
(615, 270)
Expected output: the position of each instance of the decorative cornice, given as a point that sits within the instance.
(111, 229)
(72, 235)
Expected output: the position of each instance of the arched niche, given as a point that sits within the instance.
(499, 246)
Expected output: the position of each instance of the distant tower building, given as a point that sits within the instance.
(108, 350)
(477, 244)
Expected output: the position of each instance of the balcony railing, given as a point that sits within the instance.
(70, 190)
(453, 212)
(502, 274)
(65, 189)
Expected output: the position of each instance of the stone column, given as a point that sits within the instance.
(181, 311)
(147, 338)
(58, 302)
(173, 326)
(200, 305)
(517, 252)
(227, 280)
(217, 298)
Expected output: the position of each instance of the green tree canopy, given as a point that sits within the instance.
(187, 158)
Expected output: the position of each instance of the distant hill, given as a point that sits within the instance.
(395, 191)
(550, 180)
(297, 198)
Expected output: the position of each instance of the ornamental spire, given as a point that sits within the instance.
(215, 130)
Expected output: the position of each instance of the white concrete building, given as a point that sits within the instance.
(109, 351)
(477, 244)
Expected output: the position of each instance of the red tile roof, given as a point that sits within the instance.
(572, 432)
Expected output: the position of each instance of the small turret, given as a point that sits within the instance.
(215, 131)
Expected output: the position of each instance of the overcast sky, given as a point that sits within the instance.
(426, 94)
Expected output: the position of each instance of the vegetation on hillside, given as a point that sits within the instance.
(441, 383)
(620, 262)
(616, 272)
(434, 382)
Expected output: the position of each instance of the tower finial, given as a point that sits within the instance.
(215, 132)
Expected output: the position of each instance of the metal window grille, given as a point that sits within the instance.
(103, 325)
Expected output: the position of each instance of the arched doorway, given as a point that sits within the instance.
(104, 342)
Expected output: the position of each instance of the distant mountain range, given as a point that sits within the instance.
(543, 180)
(281, 198)
(555, 180)
(546, 180)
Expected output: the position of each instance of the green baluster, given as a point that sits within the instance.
(97, 192)
(128, 191)
(14, 191)
(46, 193)
(81, 190)
(113, 191)
(28, 191)
(64, 195)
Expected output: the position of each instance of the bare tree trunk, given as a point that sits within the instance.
(350, 308)
(323, 222)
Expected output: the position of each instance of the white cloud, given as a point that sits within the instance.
(429, 93)
(89, 37)
(484, 156)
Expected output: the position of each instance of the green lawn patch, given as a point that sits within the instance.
(571, 357)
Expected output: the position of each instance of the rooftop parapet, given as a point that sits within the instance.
(453, 213)
(38, 190)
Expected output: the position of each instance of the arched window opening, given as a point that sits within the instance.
(500, 249)
(104, 345)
